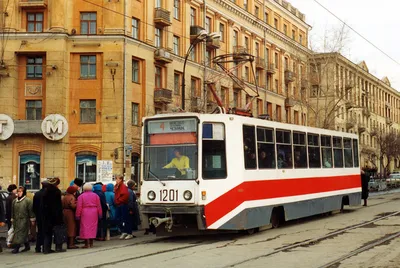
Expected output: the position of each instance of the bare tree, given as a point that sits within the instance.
(389, 147)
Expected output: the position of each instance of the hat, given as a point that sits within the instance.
(54, 181)
(78, 182)
(72, 189)
(45, 181)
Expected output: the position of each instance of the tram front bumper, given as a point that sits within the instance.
(164, 211)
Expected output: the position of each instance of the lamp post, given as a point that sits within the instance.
(201, 37)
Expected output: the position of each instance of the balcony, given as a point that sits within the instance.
(366, 112)
(195, 31)
(260, 63)
(32, 4)
(289, 76)
(389, 121)
(348, 85)
(271, 68)
(213, 43)
(304, 83)
(162, 96)
(239, 52)
(162, 17)
(195, 104)
(361, 128)
(162, 55)
(290, 102)
(350, 123)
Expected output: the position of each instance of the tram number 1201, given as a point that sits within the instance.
(169, 195)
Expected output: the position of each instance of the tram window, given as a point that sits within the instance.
(326, 146)
(300, 152)
(284, 149)
(266, 148)
(355, 150)
(338, 152)
(249, 147)
(214, 151)
(348, 153)
(314, 155)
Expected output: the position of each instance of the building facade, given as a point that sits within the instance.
(345, 96)
(76, 77)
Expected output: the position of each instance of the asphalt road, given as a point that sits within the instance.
(360, 237)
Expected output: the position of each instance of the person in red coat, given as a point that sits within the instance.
(121, 202)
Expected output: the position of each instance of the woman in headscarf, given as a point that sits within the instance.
(88, 211)
(69, 208)
(22, 218)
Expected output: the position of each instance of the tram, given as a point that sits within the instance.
(224, 172)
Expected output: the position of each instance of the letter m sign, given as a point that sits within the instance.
(54, 126)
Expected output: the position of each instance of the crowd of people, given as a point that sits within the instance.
(83, 214)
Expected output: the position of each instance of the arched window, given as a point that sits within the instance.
(29, 170)
(86, 166)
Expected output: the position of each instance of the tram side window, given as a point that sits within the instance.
(266, 148)
(355, 150)
(348, 153)
(284, 148)
(300, 151)
(338, 152)
(326, 145)
(214, 151)
(249, 147)
(314, 155)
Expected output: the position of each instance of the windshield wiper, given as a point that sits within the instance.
(155, 176)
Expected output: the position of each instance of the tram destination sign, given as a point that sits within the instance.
(172, 126)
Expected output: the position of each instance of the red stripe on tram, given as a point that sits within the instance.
(259, 190)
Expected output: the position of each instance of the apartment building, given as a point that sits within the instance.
(346, 97)
(76, 77)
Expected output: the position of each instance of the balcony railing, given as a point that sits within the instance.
(271, 68)
(349, 105)
(213, 43)
(304, 83)
(260, 63)
(361, 128)
(366, 112)
(350, 123)
(195, 31)
(162, 95)
(162, 55)
(289, 76)
(162, 17)
(32, 3)
(290, 102)
(389, 121)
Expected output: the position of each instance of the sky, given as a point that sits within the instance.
(376, 21)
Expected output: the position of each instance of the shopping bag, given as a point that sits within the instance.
(10, 236)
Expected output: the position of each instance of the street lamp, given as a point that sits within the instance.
(201, 37)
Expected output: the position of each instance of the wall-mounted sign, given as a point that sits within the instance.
(55, 127)
(6, 127)
(104, 170)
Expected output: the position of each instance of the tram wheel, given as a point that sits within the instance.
(277, 218)
(252, 231)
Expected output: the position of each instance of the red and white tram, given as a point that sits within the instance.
(227, 172)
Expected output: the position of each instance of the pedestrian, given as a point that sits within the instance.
(2, 217)
(37, 209)
(121, 201)
(52, 216)
(133, 206)
(12, 194)
(88, 211)
(22, 218)
(69, 208)
(111, 215)
(364, 187)
(102, 224)
(78, 183)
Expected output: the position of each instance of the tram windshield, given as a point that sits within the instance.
(170, 149)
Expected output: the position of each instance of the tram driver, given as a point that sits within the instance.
(180, 162)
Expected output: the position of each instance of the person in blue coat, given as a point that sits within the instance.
(102, 223)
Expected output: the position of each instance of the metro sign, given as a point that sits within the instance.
(55, 127)
(6, 127)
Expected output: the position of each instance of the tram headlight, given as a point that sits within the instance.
(187, 195)
(151, 195)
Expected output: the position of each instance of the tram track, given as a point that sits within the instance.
(314, 241)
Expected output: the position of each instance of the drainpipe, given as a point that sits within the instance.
(124, 96)
(204, 57)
